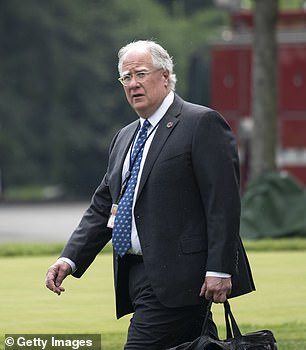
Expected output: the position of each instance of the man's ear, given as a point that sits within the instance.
(166, 77)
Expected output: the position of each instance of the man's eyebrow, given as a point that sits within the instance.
(128, 72)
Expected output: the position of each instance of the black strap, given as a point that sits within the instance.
(232, 328)
(231, 324)
(205, 322)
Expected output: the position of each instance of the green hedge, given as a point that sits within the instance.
(43, 249)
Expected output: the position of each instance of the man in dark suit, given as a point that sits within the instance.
(170, 203)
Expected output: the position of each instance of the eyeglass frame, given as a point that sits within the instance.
(136, 77)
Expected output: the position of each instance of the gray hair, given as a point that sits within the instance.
(160, 57)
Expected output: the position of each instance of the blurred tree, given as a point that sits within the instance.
(264, 107)
(57, 91)
(60, 101)
(185, 7)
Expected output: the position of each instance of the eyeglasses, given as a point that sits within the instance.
(139, 77)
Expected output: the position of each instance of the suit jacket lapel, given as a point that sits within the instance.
(166, 126)
(124, 140)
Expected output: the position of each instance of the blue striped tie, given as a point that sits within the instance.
(123, 222)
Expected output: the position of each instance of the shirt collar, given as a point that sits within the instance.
(160, 112)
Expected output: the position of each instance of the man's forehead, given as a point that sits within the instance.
(136, 59)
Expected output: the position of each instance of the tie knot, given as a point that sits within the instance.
(146, 124)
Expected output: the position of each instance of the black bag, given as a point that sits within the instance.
(259, 340)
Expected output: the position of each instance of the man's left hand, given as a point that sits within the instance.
(216, 288)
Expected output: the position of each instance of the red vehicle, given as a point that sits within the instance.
(231, 62)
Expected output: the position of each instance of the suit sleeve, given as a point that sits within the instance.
(216, 166)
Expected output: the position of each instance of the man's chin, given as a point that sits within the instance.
(140, 109)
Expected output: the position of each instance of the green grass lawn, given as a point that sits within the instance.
(87, 306)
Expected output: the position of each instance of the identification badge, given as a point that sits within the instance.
(111, 220)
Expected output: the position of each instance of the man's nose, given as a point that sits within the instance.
(134, 82)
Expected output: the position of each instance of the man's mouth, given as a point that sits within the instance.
(137, 95)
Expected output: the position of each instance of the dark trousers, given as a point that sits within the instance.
(154, 326)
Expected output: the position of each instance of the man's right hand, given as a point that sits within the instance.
(55, 276)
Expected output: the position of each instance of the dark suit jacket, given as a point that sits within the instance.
(187, 210)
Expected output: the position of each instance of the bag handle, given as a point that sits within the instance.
(205, 322)
(230, 322)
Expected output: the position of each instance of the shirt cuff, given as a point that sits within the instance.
(217, 274)
(70, 262)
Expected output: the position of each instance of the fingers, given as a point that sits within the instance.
(52, 280)
(203, 290)
(55, 276)
(216, 288)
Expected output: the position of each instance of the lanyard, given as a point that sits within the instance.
(132, 162)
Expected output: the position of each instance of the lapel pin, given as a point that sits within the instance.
(169, 125)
